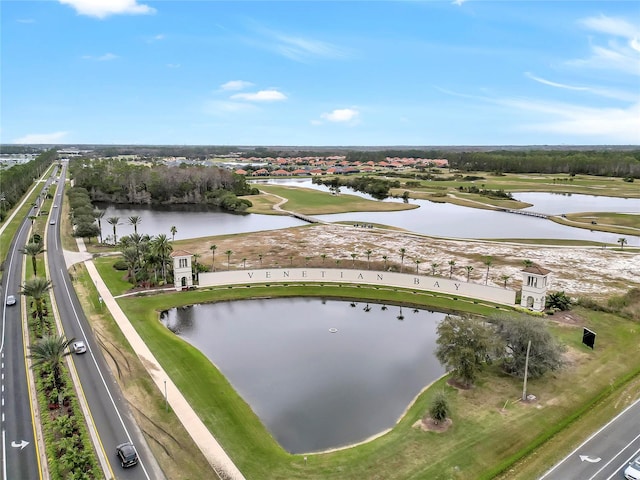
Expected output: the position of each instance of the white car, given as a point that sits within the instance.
(79, 347)
(632, 472)
(11, 300)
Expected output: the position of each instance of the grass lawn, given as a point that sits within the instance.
(491, 428)
(313, 202)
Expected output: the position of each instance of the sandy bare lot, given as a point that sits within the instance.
(578, 271)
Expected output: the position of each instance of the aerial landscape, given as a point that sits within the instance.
(320, 240)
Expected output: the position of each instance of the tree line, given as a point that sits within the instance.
(19, 178)
(119, 181)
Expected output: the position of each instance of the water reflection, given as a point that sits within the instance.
(191, 221)
(313, 388)
(435, 219)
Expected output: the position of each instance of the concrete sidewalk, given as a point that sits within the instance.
(205, 441)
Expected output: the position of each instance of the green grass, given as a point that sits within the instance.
(113, 278)
(313, 202)
(484, 439)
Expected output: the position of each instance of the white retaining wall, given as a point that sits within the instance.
(335, 275)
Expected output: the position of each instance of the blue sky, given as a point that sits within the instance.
(323, 73)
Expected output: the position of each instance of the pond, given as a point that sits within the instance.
(191, 221)
(435, 219)
(320, 374)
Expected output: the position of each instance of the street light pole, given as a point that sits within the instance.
(526, 371)
(166, 401)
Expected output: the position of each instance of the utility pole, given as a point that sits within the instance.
(526, 371)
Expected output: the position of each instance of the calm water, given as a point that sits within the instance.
(314, 389)
(436, 219)
(191, 221)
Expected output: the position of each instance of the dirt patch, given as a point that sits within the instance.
(428, 424)
(566, 318)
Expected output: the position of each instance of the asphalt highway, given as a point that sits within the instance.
(109, 411)
(19, 450)
(605, 454)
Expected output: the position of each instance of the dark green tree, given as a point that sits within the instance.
(464, 345)
(515, 333)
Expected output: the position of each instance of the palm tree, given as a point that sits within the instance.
(353, 259)
(33, 249)
(291, 260)
(135, 221)
(505, 279)
(213, 249)
(402, 252)
(469, 269)
(114, 221)
(368, 253)
(244, 263)
(196, 256)
(173, 231)
(260, 259)
(452, 263)
(49, 352)
(385, 258)
(323, 257)
(488, 261)
(622, 241)
(132, 258)
(99, 214)
(434, 268)
(527, 263)
(417, 261)
(228, 254)
(306, 261)
(161, 247)
(37, 289)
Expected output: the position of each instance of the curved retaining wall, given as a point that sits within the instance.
(489, 293)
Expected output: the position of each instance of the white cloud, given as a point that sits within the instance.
(173, 65)
(458, 2)
(342, 115)
(220, 107)
(26, 20)
(603, 92)
(623, 57)
(102, 58)
(105, 8)
(236, 85)
(616, 27)
(298, 48)
(609, 124)
(260, 96)
(38, 138)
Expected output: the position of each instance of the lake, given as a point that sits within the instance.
(314, 389)
(434, 219)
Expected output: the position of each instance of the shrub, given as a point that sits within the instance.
(439, 409)
(120, 265)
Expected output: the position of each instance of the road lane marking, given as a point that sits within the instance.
(593, 435)
(84, 336)
(615, 456)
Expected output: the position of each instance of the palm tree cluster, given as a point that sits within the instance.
(147, 259)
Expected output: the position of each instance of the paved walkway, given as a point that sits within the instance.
(205, 441)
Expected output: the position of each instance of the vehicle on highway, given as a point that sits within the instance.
(52, 222)
(79, 347)
(127, 454)
(11, 300)
(632, 472)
